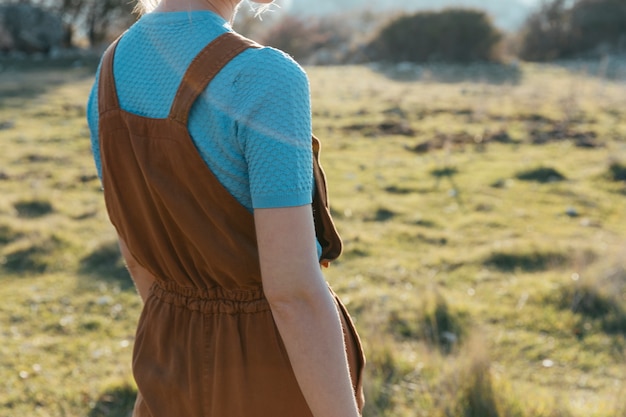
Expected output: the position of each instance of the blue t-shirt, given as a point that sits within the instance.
(252, 126)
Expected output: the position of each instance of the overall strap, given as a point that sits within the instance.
(107, 95)
(204, 68)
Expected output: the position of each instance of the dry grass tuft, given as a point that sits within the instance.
(596, 302)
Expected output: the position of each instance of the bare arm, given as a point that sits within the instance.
(142, 278)
(304, 311)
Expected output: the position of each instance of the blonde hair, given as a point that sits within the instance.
(259, 9)
(146, 6)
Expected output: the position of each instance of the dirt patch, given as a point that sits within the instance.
(386, 128)
(559, 132)
(460, 140)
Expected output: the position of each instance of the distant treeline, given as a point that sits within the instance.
(558, 29)
(94, 21)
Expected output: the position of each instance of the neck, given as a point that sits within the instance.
(224, 8)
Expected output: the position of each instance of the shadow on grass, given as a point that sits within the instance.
(541, 175)
(106, 263)
(480, 72)
(35, 257)
(28, 79)
(8, 234)
(115, 402)
(617, 171)
(28, 260)
(448, 174)
(33, 208)
(529, 261)
(382, 215)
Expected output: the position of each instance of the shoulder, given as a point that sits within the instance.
(267, 55)
(271, 65)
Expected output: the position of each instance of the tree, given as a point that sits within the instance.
(304, 38)
(98, 20)
(545, 33)
(564, 29)
(30, 29)
(105, 16)
(599, 23)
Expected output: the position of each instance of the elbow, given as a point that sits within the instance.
(287, 300)
(293, 310)
(294, 301)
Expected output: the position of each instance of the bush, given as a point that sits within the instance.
(544, 35)
(560, 30)
(452, 35)
(27, 28)
(303, 38)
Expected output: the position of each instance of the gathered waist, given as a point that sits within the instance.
(216, 300)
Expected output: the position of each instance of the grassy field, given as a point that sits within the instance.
(482, 210)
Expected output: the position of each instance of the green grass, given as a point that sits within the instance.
(484, 244)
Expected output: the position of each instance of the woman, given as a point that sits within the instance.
(202, 140)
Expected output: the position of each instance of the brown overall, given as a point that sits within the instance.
(206, 343)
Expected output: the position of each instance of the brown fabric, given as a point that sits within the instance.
(324, 227)
(206, 343)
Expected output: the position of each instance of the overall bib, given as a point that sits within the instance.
(206, 342)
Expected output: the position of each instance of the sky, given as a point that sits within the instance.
(507, 14)
(288, 3)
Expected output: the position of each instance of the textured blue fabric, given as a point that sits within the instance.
(252, 126)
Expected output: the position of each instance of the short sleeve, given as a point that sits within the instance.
(273, 123)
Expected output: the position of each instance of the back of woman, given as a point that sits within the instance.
(211, 196)
(254, 121)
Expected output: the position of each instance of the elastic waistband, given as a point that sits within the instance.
(211, 301)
